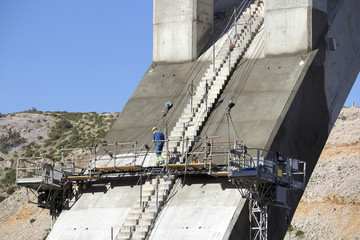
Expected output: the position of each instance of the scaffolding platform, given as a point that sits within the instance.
(220, 174)
(180, 166)
(37, 183)
(120, 168)
(80, 178)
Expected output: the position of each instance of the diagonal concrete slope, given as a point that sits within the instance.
(202, 208)
(288, 103)
(284, 101)
(94, 213)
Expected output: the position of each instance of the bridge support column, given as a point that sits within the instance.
(181, 29)
(294, 27)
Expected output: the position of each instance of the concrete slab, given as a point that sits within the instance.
(203, 210)
(95, 212)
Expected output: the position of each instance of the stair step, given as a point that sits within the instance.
(147, 186)
(137, 209)
(139, 235)
(153, 203)
(131, 222)
(123, 235)
(122, 238)
(143, 228)
(133, 216)
(148, 215)
(151, 208)
(145, 222)
(144, 203)
(127, 228)
(145, 198)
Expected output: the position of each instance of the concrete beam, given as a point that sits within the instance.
(294, 27)
(181, 29)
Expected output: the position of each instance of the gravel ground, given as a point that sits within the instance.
(330, 206)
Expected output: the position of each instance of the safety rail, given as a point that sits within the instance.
(248, 163)
(35, 172)
(79, 161)
(121, 152)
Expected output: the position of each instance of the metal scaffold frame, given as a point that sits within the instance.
(262, 177)
(258, 220)
(258, 174)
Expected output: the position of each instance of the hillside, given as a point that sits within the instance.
(330, 206)
(35, 134)
(329, 209)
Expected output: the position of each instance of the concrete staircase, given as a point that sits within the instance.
(213, 82)
(142, 216)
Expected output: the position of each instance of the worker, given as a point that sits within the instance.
(157, 136)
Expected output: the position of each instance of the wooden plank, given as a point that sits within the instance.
(129, 167)
(104, 169)
(177, 166)
(75, 178)
(219, 174)
(192, 165)
(202, 165)
(121, 168)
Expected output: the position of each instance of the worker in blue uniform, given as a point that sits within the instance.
(157, 136)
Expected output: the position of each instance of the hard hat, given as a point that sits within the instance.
(154, 129)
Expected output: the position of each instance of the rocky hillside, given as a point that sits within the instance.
(35, 134)
(329, 209)
(330, 206)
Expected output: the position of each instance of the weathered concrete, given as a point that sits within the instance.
(293, 27)
(193, 21)
(202, 208)
(286, 100)
(96, 211)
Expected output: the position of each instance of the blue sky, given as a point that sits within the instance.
(76, 55)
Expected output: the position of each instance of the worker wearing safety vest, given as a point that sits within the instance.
(156, 137)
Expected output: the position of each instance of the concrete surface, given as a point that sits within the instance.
(193, 21)
(291, 26)
(200, 209)
(286, 100)
(97, 210)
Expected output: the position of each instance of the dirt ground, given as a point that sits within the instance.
(330, 206)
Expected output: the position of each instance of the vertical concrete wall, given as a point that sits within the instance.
(291, 25)
(181, 29)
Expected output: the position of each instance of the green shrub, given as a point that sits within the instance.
(11, 140)
(101, 134)
(45, 237)
(10, 177)
(4, 151)
(32, 110)
(62, 145)
(2, 198)
(32, 220)
(299, 234)
(10, 191)
(29, 152)
(63, 125)
(54, 135)
(1, 159)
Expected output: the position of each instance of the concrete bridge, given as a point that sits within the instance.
(287, 65)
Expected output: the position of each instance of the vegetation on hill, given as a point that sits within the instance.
(33, 133)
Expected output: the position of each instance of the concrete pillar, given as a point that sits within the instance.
(181, 29)
(294, 26)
